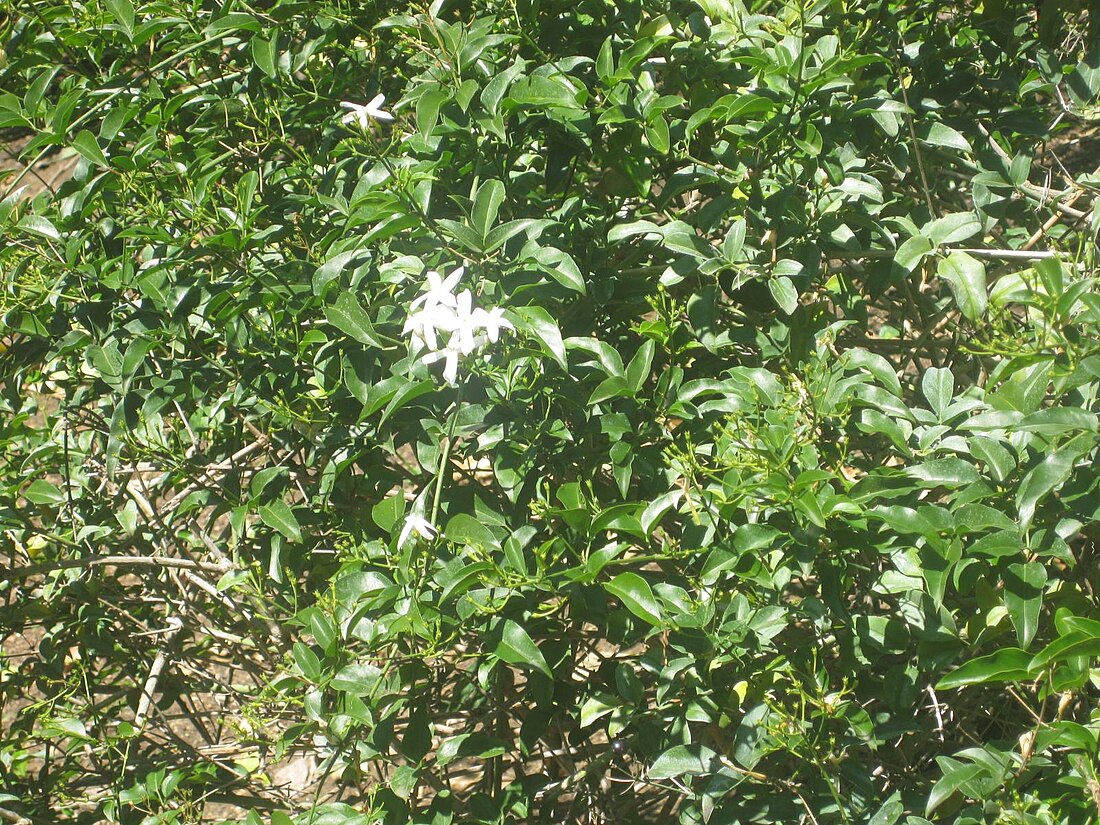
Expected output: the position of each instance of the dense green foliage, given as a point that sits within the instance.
(776, 504)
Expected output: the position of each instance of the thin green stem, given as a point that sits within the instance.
(445, 456)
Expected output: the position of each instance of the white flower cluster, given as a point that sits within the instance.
(438, 312)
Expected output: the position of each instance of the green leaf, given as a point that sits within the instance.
(470, 745)
(405, 394)
(539, 91)
(944, 472)
(657, 135)
(561, 267)
(265, 54)
(1024, 585)
(538, 323)
(1058, 421)
(348, 316)
(596, 707)
(784, 293)
(637, 596)
(657, 508)
(307, 661)
(1007, 665)
(1040, 481)
(357, 679)
(531, 228)
(427, 109)
(232, 22)
(622, 231)
(913, 251)
(457, 581)
(993, 455)
(938, 386)
(890, 812)
(388, 511)
(875, 364)
(953, 228)
(684, 760)
(278, 516)
(734, 241)
(324, 631)
(332, 268)
(637, 371)
(42, 492)
(613, 387)
(605, 62)
(465, 529)
(123, 12)
(966, 277)
(38, 225)
(952, 782)
(998, 544)
(940, 134)
(517, 648)
(1072, 645)
(490, 195)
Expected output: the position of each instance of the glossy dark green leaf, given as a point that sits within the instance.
(942, 135)
(486, 206)
(637, 596)
(279, 516)
(40, 226)
(951, 783)
(85, 143)
(307, 661)
(1009, 664)
(913, 251)
(938, 386)
(265, 54)
(517, 648)
(465, 529)
(348, 315)
(784, 293)
(41, 491)
(538, 323)
(123, 12)
(1069, 646)
(684, 760)
(1052, 471)
(637, 371)
(953, 228)
(945, 472)
(966, 277)
(357, 679)
(388, 511)
(1024, 583)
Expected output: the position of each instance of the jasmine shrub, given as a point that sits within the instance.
(544, 411)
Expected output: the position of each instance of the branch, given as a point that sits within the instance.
(100, 561)
(11, 816)
(991, 254)
(150, 687)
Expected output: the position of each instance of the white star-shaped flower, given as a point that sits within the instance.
(364, 114)
(424, 325)
(440, 290)
(492, 321)
(464, 336)
(418, 525)
(449, 356)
